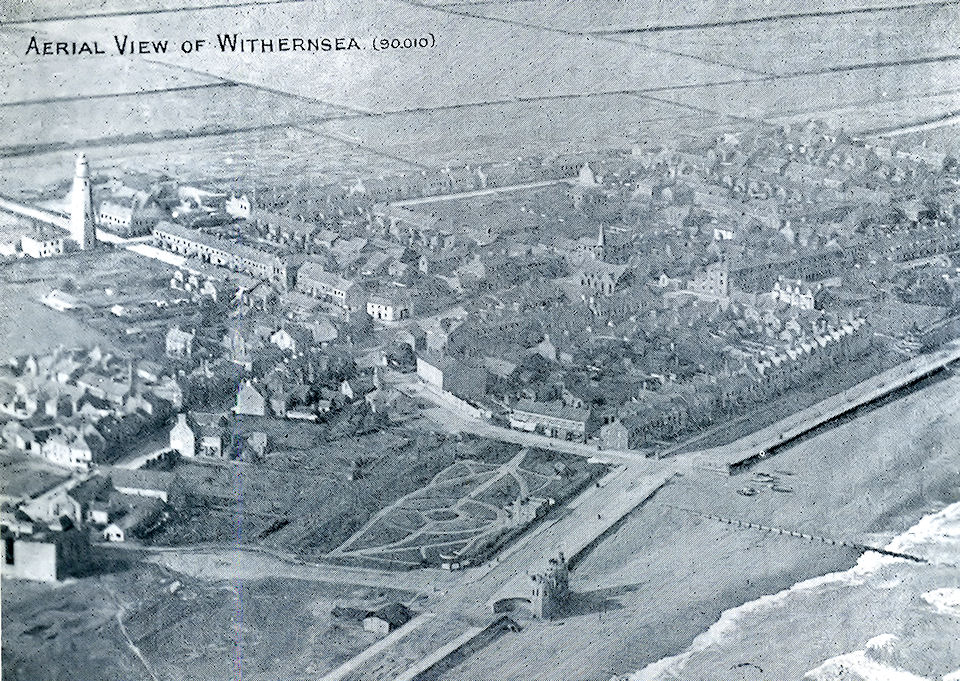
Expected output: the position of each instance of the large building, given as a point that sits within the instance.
(40, 554)
(552, 419)
(446, 374)
(223, 252)
(128, 218)
(82, 226)
(41, 244)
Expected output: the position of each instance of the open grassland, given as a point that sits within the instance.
(287, 156)
(814, 43)
(220, 108)
(612, 15)
(94, 627)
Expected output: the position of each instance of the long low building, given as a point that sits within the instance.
(552, 419)
(223, 252)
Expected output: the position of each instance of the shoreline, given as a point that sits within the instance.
(922, 535)
(666, 576)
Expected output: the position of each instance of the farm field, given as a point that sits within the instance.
(815, 94)
(610, 15)
(285, 155)
(505, 130)
(818, 42)
(143, 116)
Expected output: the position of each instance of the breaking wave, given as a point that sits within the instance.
(936, 538)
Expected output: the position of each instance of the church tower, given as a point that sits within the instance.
(82, 228)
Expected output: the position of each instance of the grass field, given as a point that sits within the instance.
(265, 629)
(817, 42)
(605, 15)
(161, 115)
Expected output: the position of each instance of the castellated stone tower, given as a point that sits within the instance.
(549, 588)
(82, 228)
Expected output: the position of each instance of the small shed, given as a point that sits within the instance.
(387, 618)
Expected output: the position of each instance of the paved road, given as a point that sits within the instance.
(452, 420)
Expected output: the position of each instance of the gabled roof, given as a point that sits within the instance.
(552, 409)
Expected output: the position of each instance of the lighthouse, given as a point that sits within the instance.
(82, 228)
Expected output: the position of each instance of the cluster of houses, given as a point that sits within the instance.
(81, 407)
(647, 290)
(50, 536)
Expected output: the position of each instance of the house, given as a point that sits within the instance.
(17, 436)
(390, 307)
(250, 401)
(240, 349)
(446, 374)
(314, 280)
(238, 206)
(415, 337)
(92, 496)
(179, 343)
(74, 447)
(600, 278)
(98, 513)
(132, 520)
(44, 555)
(615, 435)
(182, 437)
(41, 245)
(143, 483)
(105, 387)
(712, 282)
(357, 387)
(551, 419)
(53, 504)
(291, 339)
(387, 618)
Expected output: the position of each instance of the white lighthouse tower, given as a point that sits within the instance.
(82, 228)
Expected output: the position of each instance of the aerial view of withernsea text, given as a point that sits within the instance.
(480, 340)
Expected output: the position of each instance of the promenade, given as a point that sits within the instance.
(728, 458)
